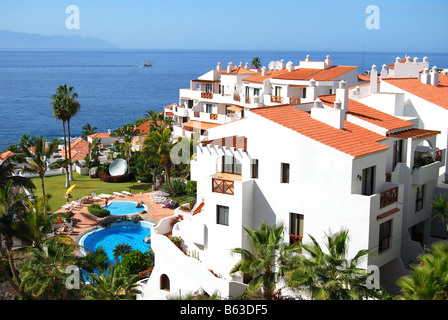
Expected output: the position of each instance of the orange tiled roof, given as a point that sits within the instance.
(302, 74)
(99, 135)
(352, 140)
(6, 155)
(369, 114)
(199, 125)
(238, 70)
(79, 148)
(437, 95)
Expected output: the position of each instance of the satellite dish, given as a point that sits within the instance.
(118, 167)
(271, 65)
(275, 65)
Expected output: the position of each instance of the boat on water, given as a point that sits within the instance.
(147, 64)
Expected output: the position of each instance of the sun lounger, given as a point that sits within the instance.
(118, 194)
(105, 196)
(126, 193)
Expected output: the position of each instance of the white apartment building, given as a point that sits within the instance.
(317, 167)
(223, 94)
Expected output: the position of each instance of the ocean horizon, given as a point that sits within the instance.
(115, 89)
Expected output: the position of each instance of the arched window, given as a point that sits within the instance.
(164, 282)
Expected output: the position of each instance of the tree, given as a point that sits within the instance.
(112, 284)
(158, 121)
(256, 62)
(44, 273)
(37, 160)
(127, 132)
(331, 276)
(6, 174)
(87, 130)
(260, 264)
(121, 250)
(157, 147)
(13, 214)
(440, 208)
(429, 279)
(65, 106)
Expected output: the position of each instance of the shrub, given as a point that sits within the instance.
(95, 260)
(98, 211)
(115, 179)
(135, 262)
(179, 187)
(191, 187)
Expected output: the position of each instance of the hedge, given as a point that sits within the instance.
(115, 179)
(98, 211)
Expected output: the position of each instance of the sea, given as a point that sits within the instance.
(114, 88)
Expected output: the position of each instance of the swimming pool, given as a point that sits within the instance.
(124, 207)
(108, 238)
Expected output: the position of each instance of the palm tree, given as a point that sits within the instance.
(87, 130)
(65, 106)
(37, 160)
(269, 251)
(6, 174)
(113, 284)
(256, 62)
(331, 276)
(440, 208)
(158, 121)
(429, 279)
(127, 133)
(13, 214)
(44, 273)
(157, 148)
(121, 250)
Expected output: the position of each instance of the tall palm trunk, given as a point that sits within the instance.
(67, 182)
(69, 151)
(5, 272)
(44, 197)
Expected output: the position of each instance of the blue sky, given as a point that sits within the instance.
(245, 24)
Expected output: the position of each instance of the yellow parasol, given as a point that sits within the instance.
(70, 189)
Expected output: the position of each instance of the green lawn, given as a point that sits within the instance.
(55, 186)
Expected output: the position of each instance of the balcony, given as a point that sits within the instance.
(388, 197)
(213, 116)
(223, 186)
(236, 97)
(294, 101)
(206, 95)
(430, 171)
(276, 99)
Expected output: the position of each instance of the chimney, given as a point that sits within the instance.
(312, 90)
(415, 60)
(331, 116)
(246, 66)
(384, 71)
(240, 65)
(373, 80)
(108, 131)
(342, 96)
(341, 114)
(263, 71)
(425, 77)
(434, 76)
(397, 60)
(328, 61)
(229, 67)
(282, 63)
(290, 66)
(218, 67)
(308, 58)
(318, 103)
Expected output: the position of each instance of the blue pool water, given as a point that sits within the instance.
(109, 238)
(123, 207)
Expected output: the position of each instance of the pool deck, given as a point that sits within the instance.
(83, 220)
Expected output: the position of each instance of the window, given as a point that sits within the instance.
(222, 215)
(247, 91)
(304, 93)
(209, 87)
(385, 236)
(231, 165)
(209, 108)
(368, 181)
(190, 104)
(164, 282)
(295, 228)
(398, 147)
(278, 91)
(419, 198)
(285, 173)
(256, 92)
(254, 169)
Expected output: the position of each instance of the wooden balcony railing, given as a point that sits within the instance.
(206, 95)
(276, 99)
(236, 97)
(388, 197)
(295, 239)
(247, 99)
(213, 116)
(223, 186)
(197, 114)
(438, 156)
(294, 101)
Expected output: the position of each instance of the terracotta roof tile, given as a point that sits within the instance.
(434, 94)
(369, 114)
(352, 140)
(238, 70)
